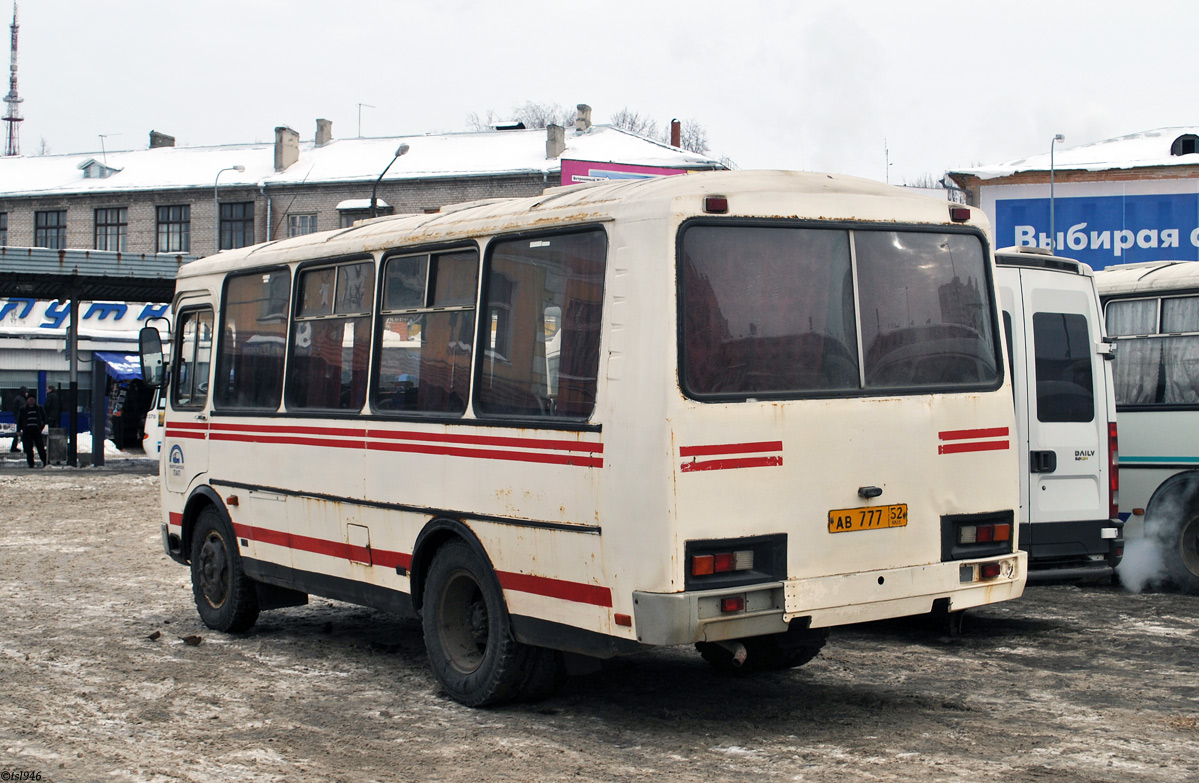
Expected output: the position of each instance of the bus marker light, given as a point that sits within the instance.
(717, 205)
(1138, 512)
(623, 619)
(989, 571)
(231, 500)
(959, 214)
(736, 604)
(703, 565)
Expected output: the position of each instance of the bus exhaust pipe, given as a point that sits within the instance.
(738, 651)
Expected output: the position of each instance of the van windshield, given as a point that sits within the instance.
(802, 311)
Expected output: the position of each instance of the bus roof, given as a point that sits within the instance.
(1148, 277)
(789, 194)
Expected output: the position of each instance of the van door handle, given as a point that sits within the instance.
(1042, 461)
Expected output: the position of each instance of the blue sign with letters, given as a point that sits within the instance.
(1105, 230)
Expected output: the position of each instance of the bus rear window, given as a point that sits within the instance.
(774, 311)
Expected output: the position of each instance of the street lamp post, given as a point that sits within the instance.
(216, 206)
(400, 150)
(1052, 226)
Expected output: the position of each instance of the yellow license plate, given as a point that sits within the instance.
(846, 520)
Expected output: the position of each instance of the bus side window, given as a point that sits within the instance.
(427, 332)
(189, 388)
(250, 359)
(543, 311)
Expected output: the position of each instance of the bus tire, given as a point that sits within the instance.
(225, 596)
(767, 653)
(468, 635)
(1181, 549)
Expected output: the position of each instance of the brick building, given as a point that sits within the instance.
(165, 199)
(1126, 199)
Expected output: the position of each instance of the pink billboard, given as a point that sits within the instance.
(576, 171)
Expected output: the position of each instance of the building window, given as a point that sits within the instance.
(50, 229)
(112, 229)
(174, 229)
(3, 229)
(237, 225)
(298, 225)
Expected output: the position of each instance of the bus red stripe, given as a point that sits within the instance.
(556, 588)
(992, 432)
(173, 433)
(730, 448)
(522, 583)
(490, 440)
(982, 445)
(510, 456)
(732, 464)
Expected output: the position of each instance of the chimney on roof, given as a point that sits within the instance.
(676, 133)
(324, 132)
(287, 147)
(160, 140)
(583, 121)
(555, 141)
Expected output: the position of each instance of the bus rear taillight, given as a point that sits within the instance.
(722, 562)
(984, 534)
(1113, 471)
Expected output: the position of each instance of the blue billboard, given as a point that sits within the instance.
(1105, 230)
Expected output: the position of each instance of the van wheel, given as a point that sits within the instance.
(1182, 555)
(469, 638)
(767, 653)
(224, 595)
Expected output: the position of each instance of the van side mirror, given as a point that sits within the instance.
(150, 348)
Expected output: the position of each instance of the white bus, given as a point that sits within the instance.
(730, 409)
(1152, 311)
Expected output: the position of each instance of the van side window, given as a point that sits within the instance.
(330, 350)
(541, 328)
(1063, 352)
(189, 387)
(249, 366)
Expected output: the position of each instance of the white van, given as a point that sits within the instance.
(1065, 415)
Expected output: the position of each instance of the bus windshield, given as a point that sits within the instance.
(798, 311)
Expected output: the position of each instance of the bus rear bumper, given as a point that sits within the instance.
(685, 618)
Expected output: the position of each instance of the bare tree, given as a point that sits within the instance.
(530, 114)
(539, 115)
(635, 122)
(43, 148)
(925, 180)
(693, 137)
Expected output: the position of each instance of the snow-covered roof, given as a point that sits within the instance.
(1136, 150)
(485, 153)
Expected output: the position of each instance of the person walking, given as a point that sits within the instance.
(31, 420)
(18, 402)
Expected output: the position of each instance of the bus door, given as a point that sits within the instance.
(185, 441)
(1066, 403)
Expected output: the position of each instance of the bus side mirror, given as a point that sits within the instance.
(150, 348)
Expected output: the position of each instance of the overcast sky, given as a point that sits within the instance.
(816, 85)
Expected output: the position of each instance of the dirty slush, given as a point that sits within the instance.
(108, 674)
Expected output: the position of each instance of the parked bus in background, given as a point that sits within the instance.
(727, 409)
(1152, 311)
(1065, 415)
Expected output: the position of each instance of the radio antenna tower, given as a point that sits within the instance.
(12, 117)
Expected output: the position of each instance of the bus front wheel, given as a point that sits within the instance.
(469, 639)
(225, 596)
(1182, 555)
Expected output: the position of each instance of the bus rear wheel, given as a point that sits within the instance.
(469, 638)
(1182, 556)
(767, 653)
(225, 597)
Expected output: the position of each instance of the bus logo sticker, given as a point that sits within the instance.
(175, 460)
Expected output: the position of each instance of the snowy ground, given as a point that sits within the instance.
(1067, 685)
